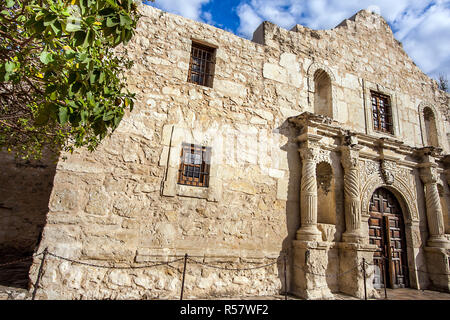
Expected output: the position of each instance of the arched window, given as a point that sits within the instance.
(429, 125)
(431, 133)
(323, 103)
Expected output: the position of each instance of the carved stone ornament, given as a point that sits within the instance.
(388, 169)
(309, 154)
(406, 192)
(324, 156)
(349, 158)
(429, 175)
(371, 168)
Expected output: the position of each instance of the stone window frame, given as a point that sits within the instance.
(437, 117)
(383, 109)
(195, 165)
(205, 46)
(313, 68)
(172, 140)
(396, 129)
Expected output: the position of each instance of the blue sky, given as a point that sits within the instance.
(423, 26)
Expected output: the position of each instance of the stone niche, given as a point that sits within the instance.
(325, 194)
(329, 196)
(322, 94)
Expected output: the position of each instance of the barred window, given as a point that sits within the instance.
(382, 113)
(201, 66)
(195, 165)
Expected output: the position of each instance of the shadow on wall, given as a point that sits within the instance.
(25, 188)
(293, 199)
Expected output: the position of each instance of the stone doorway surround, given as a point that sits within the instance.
(388, 233)
(368, 163)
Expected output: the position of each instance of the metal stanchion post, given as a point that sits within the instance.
(364, 275)
(36, 285)
(184, 274)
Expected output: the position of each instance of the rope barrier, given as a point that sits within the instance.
(158, 263)
(152, 264)
(155, 264)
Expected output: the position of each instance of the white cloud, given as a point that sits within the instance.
(249, 20)
(422, 26)
(207, 16)
(187, 8)
(428, 41)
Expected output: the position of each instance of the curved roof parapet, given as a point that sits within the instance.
(364, 17)
(364, 24)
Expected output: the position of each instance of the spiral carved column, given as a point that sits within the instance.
(352, 197)
(308, 196)
(433, 204)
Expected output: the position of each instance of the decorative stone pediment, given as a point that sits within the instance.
(399, 180)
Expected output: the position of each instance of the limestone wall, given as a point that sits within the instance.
(109, 205)
(121, 205)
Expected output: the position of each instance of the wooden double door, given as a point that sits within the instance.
(387, 232)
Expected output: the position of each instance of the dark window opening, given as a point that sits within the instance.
(201, 65)
(195, 165)
(382, 113)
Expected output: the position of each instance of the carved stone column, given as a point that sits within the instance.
(437, 249)
(308, 196)
(310, 256)
(435, 217)
(310, 253)
(352, 197)
(352, 250)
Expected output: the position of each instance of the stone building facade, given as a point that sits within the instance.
(329, 147)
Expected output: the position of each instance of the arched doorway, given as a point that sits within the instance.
(387, 232)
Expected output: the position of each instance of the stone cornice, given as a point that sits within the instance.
(308, 120)
(318, 125)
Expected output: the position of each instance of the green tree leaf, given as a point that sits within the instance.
(63, 115)
(46, 57)
(73, 93)
(10, 3)
(9, 66)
